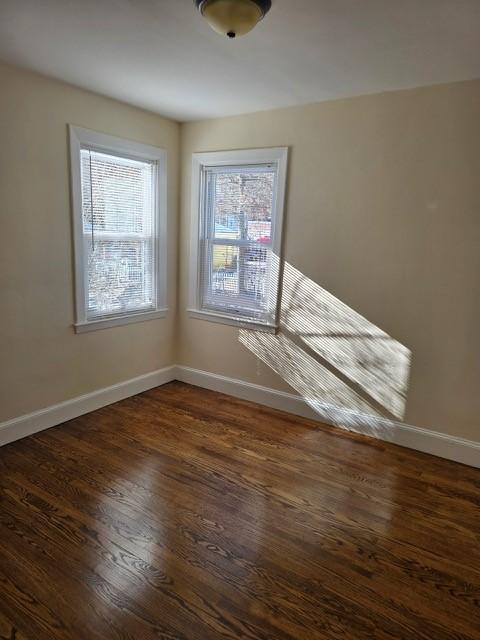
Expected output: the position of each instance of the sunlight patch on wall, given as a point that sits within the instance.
(316, 384)
(358, 350)
(339, 362)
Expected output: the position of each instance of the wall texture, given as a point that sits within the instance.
(383, 212)
(43, 361)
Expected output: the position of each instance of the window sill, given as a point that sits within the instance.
(242, 323)
(116, 321)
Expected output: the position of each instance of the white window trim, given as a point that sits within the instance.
(85, 138)
(273, 155)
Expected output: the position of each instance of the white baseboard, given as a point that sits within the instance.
(58, 413)
(246, 391)
(426, 440)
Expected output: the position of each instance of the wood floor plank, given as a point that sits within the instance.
(185, 514)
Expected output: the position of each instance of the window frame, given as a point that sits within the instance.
(81, 138)
(277, 156)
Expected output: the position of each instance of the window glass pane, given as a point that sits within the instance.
(241, 203)
(224, 270)
(118, 226)
(119, 276)
(236, 277)
(122, 193)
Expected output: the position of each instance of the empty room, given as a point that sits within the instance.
(240, 312)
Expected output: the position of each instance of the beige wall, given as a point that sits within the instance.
(42, 360)
(383, 211)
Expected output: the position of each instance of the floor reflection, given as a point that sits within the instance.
(183, 513)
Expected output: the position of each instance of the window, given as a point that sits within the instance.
(119, 207)
(237, 207)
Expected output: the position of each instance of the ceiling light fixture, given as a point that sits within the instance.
(233, 17)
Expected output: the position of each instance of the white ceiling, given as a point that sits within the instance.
(161, 55)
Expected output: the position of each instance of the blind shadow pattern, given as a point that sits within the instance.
(331, 355)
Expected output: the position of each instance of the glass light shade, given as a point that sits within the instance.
(232, 17)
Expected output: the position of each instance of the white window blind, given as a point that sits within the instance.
(119, 233)
(119, 216)
(238, 270)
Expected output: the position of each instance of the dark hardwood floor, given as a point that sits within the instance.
(183, 513)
